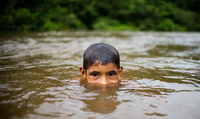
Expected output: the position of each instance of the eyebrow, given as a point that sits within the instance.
(94, 72)
(113, 71)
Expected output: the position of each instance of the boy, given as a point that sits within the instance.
(101, 64)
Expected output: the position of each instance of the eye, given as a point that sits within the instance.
(112, 74)
(95, 75)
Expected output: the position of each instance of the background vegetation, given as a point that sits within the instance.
(153, 15)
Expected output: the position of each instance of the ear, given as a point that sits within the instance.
(120, 71)
(83, 72)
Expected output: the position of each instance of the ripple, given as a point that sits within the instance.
(39, 75)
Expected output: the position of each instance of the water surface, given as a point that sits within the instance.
(161, 78)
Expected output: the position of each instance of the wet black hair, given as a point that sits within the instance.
(100, 53)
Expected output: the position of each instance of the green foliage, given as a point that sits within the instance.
(111, 25)
(154, 15)
(169, 25)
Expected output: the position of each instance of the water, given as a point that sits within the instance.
(39, 76)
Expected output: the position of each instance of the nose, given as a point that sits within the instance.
(103, 80)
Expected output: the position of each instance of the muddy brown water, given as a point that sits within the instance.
(161, 78)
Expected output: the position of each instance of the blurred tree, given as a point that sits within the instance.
(41, 15)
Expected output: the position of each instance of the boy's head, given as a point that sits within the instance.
(101, 64)
(100, 53)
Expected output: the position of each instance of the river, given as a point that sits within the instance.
(39, 76)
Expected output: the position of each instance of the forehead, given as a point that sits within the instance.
(102, 68)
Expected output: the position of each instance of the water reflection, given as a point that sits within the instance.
(105, 100)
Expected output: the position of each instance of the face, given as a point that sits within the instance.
(102, 74)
